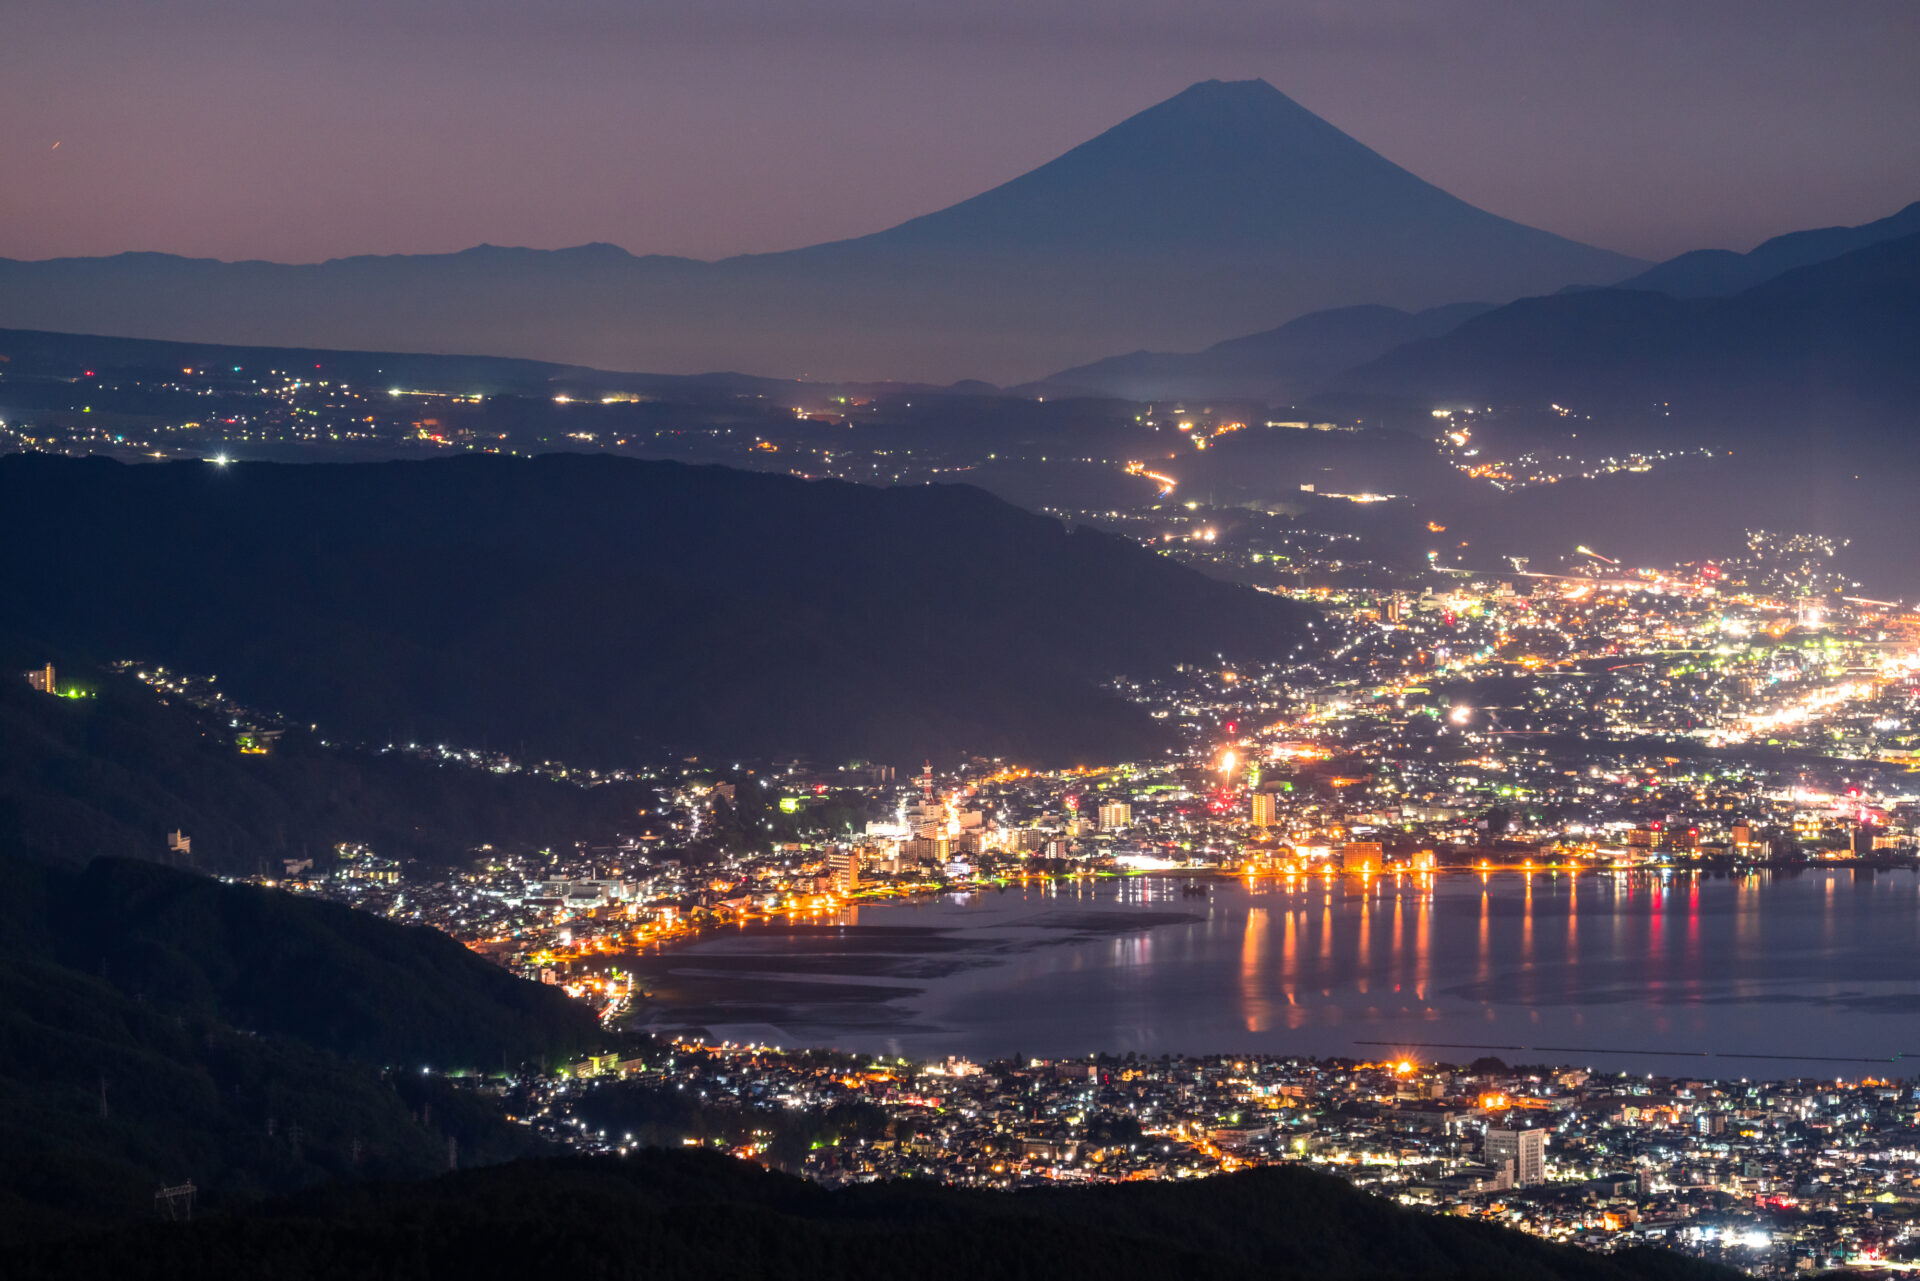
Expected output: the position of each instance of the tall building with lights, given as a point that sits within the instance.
(926, 813)
(1263, 809)
(1527, 1149)
(843, 866)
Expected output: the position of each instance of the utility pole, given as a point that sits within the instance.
(175, 1204)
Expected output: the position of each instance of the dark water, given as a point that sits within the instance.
(1818, 968)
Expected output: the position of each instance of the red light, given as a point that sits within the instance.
(89, 373)
(1233, 727)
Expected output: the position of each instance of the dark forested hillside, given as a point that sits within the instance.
(157, 1026)
(111, 773)
(665, 1216)
(342, 981)
(595, 608)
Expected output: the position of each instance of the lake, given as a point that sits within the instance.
(1802, 973)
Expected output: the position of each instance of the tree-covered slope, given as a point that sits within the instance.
(157, 1026)
(270, 962)
(111, 773)
(670, 1215)
(598, 608)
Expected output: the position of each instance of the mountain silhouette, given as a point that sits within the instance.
(1279, 365)
(1226, 209)
(1297, 360)
(1718, 272)
(596, 609)
(1830, 344)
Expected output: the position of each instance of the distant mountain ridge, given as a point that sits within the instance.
(1285, 364)
(1719, 272)
(43, 353)
(1834, 340)
(1223, 209)
(1353, 349)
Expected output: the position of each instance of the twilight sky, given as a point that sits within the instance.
(301, 131)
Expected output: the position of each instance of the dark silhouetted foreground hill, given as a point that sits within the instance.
(591, 608)
(1225, 209)
(343, 981)
(157, 1026)
(674, 1216)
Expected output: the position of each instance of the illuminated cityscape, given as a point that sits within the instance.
(961, 641)
(1612, 727)
(1632, 730)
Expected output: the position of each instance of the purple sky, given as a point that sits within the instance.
(300, 131)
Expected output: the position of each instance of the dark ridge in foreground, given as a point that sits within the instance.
(157, 1026)
(342, 981)
(664, 1216)
(596, 609)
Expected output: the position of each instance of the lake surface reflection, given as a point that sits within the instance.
(1819, 968)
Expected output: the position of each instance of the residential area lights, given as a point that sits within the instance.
(1773, 1177)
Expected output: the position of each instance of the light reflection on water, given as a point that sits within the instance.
(1545, 966)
